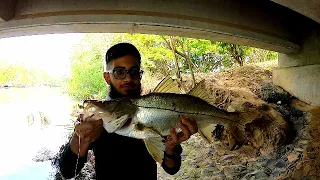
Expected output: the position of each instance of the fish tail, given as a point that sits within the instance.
(236, 134)
(206, 132)
(235, 129)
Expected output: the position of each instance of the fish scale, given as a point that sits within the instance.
(182, 103)
(150, 117)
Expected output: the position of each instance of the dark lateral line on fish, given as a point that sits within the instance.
(192, 113)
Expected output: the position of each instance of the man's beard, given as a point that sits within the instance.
(114, 94)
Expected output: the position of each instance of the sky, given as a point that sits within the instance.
(49, 52)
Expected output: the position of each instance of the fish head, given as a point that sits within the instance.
(114, 113)
(95, 109)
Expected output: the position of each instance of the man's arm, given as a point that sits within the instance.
(172, 161)
(68, 160)
(76, 150)
(172, 155)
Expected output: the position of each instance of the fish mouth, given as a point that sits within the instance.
(97, 103)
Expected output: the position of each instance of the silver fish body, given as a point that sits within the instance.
(155, 113)
(150, 117)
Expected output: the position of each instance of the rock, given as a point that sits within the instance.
(298, 149)
(273, 94)
(293, 157)
(276, 174)
(227, 157)
(210, 171)
(297, 174)
(307, 169)
(260, 175)
(280, 164)
(44, 155)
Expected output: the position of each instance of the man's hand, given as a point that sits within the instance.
(188, 127)
(88, 131)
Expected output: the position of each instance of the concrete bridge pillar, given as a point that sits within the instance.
(299, 73)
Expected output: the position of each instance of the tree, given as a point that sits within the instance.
(161, 56)
(86, 80)
(237, 52)
(21, 75)
(261, 55)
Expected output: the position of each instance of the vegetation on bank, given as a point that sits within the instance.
(161, 56)
(19, 75)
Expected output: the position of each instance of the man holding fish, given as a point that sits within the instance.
(120, 156)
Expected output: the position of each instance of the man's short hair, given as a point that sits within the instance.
(120, 50)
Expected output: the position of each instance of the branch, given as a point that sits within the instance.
(175, 50)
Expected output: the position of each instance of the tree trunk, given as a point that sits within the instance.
(234, 54)
(187, 56)
(175, 58)
(173, 49)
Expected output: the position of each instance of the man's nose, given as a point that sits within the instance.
(128, 77)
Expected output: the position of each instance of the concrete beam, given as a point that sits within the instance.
(309, 8)
(7, 9)
(310, 49)
(299, 73)
(245, 22)
(302, 82)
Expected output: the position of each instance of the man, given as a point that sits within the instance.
(120, 157)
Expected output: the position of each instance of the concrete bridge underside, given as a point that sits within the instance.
(289, 27)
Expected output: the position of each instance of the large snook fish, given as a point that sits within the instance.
(151, 116)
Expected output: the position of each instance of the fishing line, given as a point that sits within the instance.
(75, 171)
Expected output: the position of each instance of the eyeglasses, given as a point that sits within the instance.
(121, 73)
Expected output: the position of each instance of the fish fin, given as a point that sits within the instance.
(206, 132)
(200, 91)
(112, 124)
(234, 144)
(168, 85)
(236, 136)
(156, 148)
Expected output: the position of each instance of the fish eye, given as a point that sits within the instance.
(139, 126)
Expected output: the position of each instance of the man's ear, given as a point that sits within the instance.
(107, 77)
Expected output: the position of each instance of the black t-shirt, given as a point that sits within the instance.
(116, 157)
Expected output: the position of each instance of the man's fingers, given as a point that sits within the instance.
(90, 124)
(96, 123)
(96, 133)
(99, 122)
(80, 118)
(84, 134)
(88, 118)
(85, 128)
(90, 135)
(173, 136)
(185, 134)
(191, 124)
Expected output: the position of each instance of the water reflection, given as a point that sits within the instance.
(33, 127)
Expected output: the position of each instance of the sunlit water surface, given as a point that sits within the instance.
(23, 135)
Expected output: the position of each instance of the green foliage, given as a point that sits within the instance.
(261, 55)
(157, 58)
(86, 80)
(205, 55)
(19, 75)
(237, 53)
